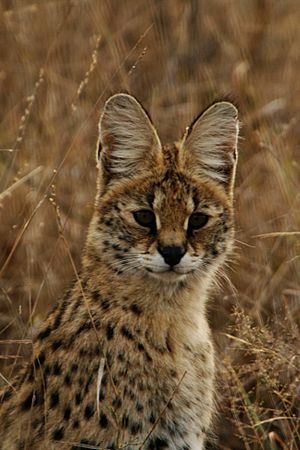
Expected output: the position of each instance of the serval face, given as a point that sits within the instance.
(164, 212)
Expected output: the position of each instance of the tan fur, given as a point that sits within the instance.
(126, 357)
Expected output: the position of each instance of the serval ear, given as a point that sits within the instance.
(128, 142)
(209, 146)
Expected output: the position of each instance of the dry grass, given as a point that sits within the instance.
(60, 59)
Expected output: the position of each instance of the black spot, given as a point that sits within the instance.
(107, 222)
(67, 380)
(173, 373)
(121, 356)
(140, 347)
(54, 399)
(135, 428)
(103, 420)
(125, 330)
(132, 381)
(96, 323)
(170, 406)
(150, 198)
(141, 386)
(57, 321)
(47, 372)
(139, 407)
(123, 237)
(116, 208)
(109, 358)
(101, 395)
(84, 283)
(85, 326)
(6, 396)
(202, 356)
(32, 399)
(161, 350)
(56, 369)
(97, 350)
(21, 445)
(44, 333)
(187, 348)
(80, 381)
(102, 390)
(129, 393)
(148, 357)
(77, 304)
(60, 314)
(158, 443)
(56, 344)
(152, 418)
(125, 421)
(67, 412)
(74, 367)
(78, 398)
(104, 380)
(58, 434)
(76, 424)
(120, 257)
(105, 304)
(96, 296)
(110, 331)
(136, 309)
(117, 402)
(88, 383)
(89, 411)
(186, 447)
(83, 352)
(169, 345)
(39, 361)
(214, 251)
(37, 422)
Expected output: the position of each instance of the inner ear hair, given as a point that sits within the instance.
(128, 141)
(209, 146)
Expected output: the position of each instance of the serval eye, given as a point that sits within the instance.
(145, 218)
(197, 220)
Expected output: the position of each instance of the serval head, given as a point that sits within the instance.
(164, 212)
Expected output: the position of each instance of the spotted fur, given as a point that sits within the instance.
(126, 357)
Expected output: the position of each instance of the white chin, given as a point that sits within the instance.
(168, 276)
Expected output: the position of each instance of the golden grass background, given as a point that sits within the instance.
(59, 61)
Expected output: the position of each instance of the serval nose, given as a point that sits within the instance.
(172, 254)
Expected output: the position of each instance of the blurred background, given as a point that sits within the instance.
(59, 61)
